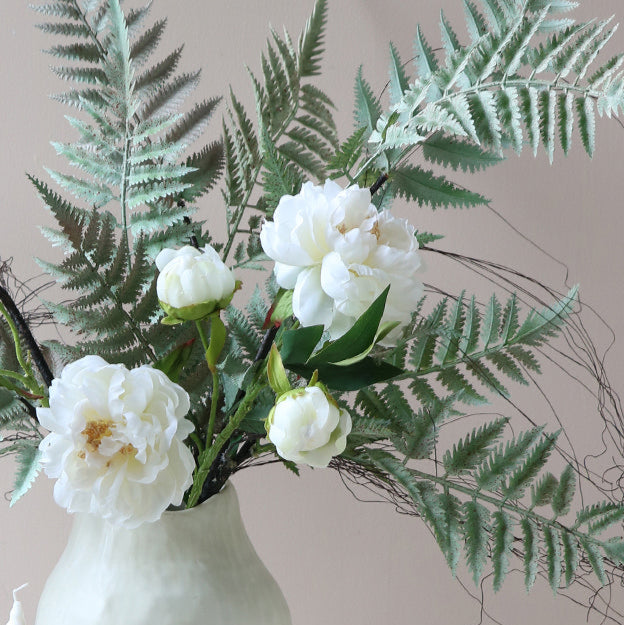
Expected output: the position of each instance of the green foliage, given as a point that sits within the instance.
(343, 364)
(474, 449)
(130, 161)
(527, 76)
(296, 134)
(12, 411)
(423, 187)
(458, 340)
(486, 517)
(28, 468)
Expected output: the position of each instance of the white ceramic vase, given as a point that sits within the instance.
(193, 567)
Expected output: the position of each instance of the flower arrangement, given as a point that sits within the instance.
(176, 380)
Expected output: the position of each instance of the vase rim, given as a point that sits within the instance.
(227, 488)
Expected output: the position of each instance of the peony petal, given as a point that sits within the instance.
(310, 303)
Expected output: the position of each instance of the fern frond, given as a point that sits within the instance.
(472, 451)
(28, 468)
(506, 85)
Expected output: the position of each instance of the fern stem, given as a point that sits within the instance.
(125, 239)
(254, 178)
(211, 453)
(88, 26)
(521, 82)
(474, 493)
(473, 358)
(136, 329)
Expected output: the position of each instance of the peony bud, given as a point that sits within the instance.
(193, 283)
(307, 426)
(16, 616)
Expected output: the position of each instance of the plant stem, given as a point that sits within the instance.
(18, 324)
(202, 335)
(210, 455)
(379, 183)
(6, 373)
(214, 400)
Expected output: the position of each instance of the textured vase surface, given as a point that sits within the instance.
(194, 567)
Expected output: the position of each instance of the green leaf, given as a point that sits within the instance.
(311, 40)
(531, 552)
(451, 546)
(564, 494)
(255, 418)
(570, 556)
(28, 457)
(174, 362)
(505, 459)
(449, 341)
(458, 154)
(596, 512)
(297, 345)
(553, 556)
(523, 476)
(477, 26)
(503, 542)
(352, 378)
(424, 238)
(614, 548)
(357, 342)
(595, 559)
(367, 106)
(398, 78)
(476, 537)
(414, 183)
(424, 57)
(472, 451)
(587, 124)
(543, 491)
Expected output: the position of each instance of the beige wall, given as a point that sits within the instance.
(337, 560)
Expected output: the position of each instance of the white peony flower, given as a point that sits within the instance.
(116, 441)
(307, 426)
(193, 283)
(338, 254)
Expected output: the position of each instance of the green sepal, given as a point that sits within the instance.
(218, 335)
(278, 379)
(173, 363)
(282, 307)
(171, 321)
(196, 312)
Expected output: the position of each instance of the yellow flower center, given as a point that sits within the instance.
(95, 431)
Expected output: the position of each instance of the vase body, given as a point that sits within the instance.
(193, 567)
